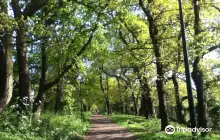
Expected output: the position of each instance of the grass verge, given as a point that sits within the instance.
(148, 129)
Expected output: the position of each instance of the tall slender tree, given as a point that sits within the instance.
(153, 31)
(197, 73)
(43, 81)
(187, 70)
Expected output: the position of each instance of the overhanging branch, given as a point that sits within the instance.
(116, 76)
(211, 49)
(68, 67)
(217, 8)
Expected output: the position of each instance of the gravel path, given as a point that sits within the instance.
(104, 129)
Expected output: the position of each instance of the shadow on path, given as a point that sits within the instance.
(104, 129)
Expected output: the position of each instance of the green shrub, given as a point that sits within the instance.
(49, 127)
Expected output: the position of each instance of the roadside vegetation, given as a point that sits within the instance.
(148, 129)
(50, 126)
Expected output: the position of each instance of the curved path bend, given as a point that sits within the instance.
(104, 129)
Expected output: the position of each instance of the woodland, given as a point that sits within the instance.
(61, 60)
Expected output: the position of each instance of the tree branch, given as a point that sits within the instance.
(211, 49)
(88, 42)
(217, 8)
(146, 10)
(16, 8)
(84, 4)
(67, 68)
(116, 76)
(33, 7)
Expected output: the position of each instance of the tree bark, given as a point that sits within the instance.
(146, 95)
(179, 106)
(39, 100)
(23, 67)
(153, 30)
(197, 75)
(6, 63)
(198, 78)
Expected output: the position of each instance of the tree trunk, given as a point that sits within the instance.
(39, 100)
(134, 101)
(107, 96)
(146, 95)
(126, 107)
(121, 108)
(149, 100)
(141, 109)
(153, 30)
(84, 107)
(60, 96)
(197, 75)
(6, 64)
(23, 67)
(198, 79)
(107, 104)
(144, 106)
(179, 107)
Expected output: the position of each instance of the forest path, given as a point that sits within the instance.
(104, 129)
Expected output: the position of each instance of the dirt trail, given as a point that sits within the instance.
(104, 129)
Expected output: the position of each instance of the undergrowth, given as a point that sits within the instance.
(50, 126)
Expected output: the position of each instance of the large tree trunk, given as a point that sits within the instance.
(197, 75)
(179, 106)
(162, 104)
(153, 30)
(146, 97)
(147, 100)
(23, 67)
(147, 94)
(39, 100)
(6, 63)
